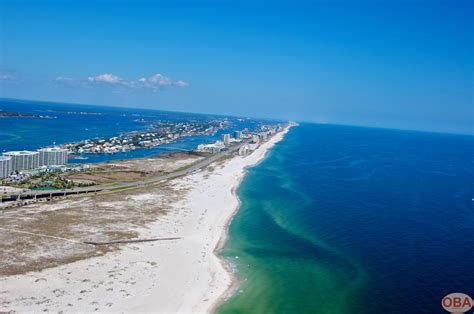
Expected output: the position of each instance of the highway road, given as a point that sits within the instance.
(110, 187)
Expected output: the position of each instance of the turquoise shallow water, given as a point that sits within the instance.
(354, 220)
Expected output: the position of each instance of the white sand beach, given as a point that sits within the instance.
(183, 275)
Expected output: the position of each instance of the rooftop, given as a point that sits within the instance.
(20, 152)
(53, 149)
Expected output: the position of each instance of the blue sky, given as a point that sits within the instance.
(398, 64)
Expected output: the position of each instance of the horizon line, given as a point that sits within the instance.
(241, 116)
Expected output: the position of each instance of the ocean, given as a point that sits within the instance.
(341, 219)
(336, 219)
(75, 122)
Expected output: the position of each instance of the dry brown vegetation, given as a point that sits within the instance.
(134, 169)
(104, 176)
(102, 217)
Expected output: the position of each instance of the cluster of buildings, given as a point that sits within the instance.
(54, 158)
(221, 145)
(118, 144)
(253, 139)
(16, 161)
(162, 133)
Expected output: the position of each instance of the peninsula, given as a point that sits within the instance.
(182, 274)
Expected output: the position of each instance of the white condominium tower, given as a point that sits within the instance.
(23, 160)
(226, 138)
(52, 156)
(5, 166)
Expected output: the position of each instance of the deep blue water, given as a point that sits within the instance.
(342, 219)
(32, 133)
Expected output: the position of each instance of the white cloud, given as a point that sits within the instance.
(154, 82)
(158, 80)
(106, 78)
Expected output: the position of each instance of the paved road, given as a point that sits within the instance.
(108, 187)
(194, 167)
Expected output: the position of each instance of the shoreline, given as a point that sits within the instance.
(186, 275)
(226, 264)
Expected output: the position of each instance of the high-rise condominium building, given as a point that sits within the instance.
(226, 138)
(23, 160)
(52, 156)
(5, 166)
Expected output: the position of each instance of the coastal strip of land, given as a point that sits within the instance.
(182, 274)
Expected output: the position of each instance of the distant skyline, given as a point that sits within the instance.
(394, 64)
